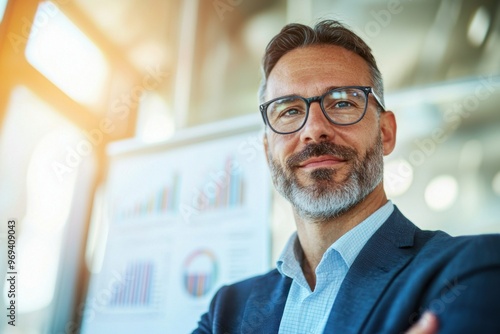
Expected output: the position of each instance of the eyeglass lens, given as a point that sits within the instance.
(341, 106)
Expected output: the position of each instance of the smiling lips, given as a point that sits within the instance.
(321, 161)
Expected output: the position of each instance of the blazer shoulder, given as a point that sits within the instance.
(466, 244)
(481, 248)
(461, 254)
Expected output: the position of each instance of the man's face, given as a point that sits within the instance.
(325, 169)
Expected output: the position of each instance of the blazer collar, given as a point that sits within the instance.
(384, 255)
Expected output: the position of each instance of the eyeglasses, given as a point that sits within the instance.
(341, 106)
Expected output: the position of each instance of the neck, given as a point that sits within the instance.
(317, 236)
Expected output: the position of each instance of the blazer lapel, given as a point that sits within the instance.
(385, 254)
(265, 305)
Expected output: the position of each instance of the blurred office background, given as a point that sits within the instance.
(76, 75)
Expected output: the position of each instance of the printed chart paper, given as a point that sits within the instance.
(182, 222)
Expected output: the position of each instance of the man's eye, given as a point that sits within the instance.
(291, 113)
(343, 104)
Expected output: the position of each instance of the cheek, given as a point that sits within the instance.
(284, 147)
(364, 135)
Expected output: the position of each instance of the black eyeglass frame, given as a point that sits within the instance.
(309, 100)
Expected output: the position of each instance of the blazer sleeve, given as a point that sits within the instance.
(467, 296)
(206, 324)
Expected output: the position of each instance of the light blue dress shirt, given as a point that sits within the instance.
(307, 311)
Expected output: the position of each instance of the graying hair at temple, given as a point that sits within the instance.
(327, 32)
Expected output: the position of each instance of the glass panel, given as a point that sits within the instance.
(65, 56)
(3, 5)
(41, 159)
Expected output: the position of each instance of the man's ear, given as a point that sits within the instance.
(266, 146)
(388, 130)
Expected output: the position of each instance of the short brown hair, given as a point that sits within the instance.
(327, 32)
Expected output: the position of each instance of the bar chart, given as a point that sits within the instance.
(222, 189)
(136, 289)
(159, 201)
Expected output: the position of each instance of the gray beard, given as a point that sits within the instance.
(327, 199)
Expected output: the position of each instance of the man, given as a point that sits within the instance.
(356, 264)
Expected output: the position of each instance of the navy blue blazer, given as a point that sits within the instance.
(400, 272)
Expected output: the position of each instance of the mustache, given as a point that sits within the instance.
(322, 148)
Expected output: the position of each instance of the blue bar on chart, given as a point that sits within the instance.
(136, 288)
(164, 200)
(223, 189)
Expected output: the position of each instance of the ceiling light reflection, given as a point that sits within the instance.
(398, 177)
(496, 183)
(478, 27)
(441, 193)
(156, 122)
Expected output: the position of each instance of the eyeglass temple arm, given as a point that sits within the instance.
(261, 107)
(378, 99)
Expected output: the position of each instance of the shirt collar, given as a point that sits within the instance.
(348, 246)
(290, 259)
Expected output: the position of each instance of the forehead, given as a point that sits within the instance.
(308, 71)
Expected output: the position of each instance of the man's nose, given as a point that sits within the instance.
(318, 127)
